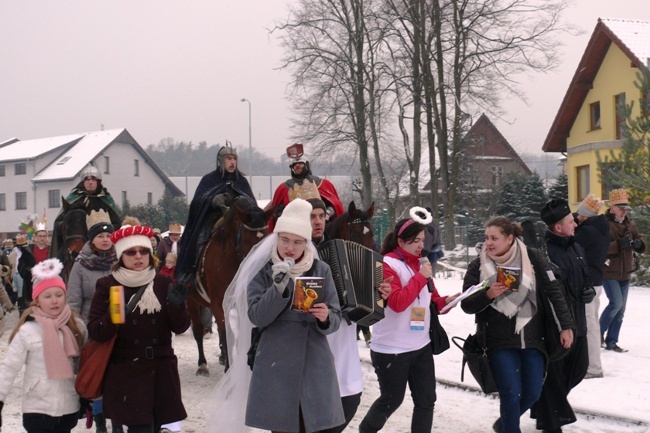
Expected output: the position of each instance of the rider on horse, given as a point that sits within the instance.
(215, 193)
(89, 194)
(303, 184)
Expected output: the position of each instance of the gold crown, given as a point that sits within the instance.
(97, 217)
(175, 228)
(618, 196)
(593, 204)
(21, 239)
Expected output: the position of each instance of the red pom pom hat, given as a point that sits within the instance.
(132, 236)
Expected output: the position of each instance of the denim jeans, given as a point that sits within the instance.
(611, 319)
(394, 372)
(519, 375)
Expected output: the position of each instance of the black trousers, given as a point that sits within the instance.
(394, 372)
(41, 423)
(350, 404)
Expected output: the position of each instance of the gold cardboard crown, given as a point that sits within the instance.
(593, 204)
(175, 228)
(618, 196)
(97, 217)
(21, 239)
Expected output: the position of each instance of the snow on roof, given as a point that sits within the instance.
(30, 149)
(70, 164)
(635, 35)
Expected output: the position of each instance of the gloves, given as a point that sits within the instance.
(637, 244)
(624, 242)
(588, 294)
(177, 293)
(219, 200)
(278, 269)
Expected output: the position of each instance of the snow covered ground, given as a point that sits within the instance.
(623, 392)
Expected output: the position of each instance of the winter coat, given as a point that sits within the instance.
(164, 248)
(294, 367)
(593, 236)
(621, 261)
(40, 394)
(501, 329)
(569, 257)
(141, 381)
(81, 284)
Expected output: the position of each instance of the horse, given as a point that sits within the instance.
(354, 225)
(70, 236)
(242, 226)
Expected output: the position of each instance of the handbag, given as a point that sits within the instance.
(475, 355)
(94, 358)
(256, 334)
(437, 334)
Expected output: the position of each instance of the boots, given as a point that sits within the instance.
(100, 423)
(117, 428)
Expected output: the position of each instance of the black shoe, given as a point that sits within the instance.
(616, 348)
(557, 430)
(497, 426)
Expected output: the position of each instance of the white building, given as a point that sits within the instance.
(35, 174)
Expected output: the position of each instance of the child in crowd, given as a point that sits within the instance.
(170, 265)
(47, 339)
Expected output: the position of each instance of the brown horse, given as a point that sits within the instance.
(354, 225)
(69, 236)
(243, 225)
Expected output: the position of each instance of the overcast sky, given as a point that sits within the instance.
(180, 69)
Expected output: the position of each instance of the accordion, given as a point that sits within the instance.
(357, 273)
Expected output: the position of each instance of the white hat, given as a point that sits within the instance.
(131, 236)
(295, 219)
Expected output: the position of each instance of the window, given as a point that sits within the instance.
(107, 165)
(124, 200)
(619, 103)
(64, 160)
(149, 198)
(54, 198)
(20, 168)
(136, 167)
(646, 104)
(2, 170)
(594, 111)
(497, 173)
(582, 176)
(21, 200)
(3, 202)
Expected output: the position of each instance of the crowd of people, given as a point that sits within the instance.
(289, 386)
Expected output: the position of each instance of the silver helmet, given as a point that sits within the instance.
(225, 151)
(91, 171)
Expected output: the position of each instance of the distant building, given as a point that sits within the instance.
(587, 121)
(35, 174)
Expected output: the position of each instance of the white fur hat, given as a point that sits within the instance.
(295, 219)
(131, 236)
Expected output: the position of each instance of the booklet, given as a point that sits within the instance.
(469, 292)
(307, 291)
(510, 276)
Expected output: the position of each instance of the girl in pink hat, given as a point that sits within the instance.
(46, 341)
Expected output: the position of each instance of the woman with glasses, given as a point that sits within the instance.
(293, 385)
(141, 387)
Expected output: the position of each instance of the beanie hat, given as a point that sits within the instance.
(131, 236)
(618, 197)
(98, 222)
(46, 275)
(554, 211)
(295, 219)
(590, 206)
(317, 203)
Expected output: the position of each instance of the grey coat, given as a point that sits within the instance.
(81, 284)
(294, 368)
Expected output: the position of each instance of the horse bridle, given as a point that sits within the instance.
(239, 236)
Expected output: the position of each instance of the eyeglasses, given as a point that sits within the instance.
(131, 253)
(285, 242)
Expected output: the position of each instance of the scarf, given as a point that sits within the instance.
(97, 261)
(300, 267)
(56, 355)
(522, 303)
(149, 303)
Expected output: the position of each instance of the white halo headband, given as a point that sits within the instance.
(416, 213)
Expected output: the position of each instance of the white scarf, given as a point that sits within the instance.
(149, 303)
(300, 267)
(522, 303)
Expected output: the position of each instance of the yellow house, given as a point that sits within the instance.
(587, 122)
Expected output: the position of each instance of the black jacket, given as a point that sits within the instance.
(501, 329)
(569, 257)
(593, 236)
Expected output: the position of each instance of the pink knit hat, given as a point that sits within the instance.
(45, 275)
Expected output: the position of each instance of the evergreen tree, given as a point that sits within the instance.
(521, 197)
(560, 189)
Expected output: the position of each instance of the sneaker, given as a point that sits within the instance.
(616, 348)
(594, 375)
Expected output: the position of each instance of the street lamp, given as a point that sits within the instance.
(250, 141)
(467, 238)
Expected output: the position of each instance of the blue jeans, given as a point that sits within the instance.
(519, 374)
(611, 319)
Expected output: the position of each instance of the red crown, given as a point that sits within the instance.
(127, 231)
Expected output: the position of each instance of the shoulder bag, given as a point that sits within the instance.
(475, 355)
(437, 334)
(94, 360)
